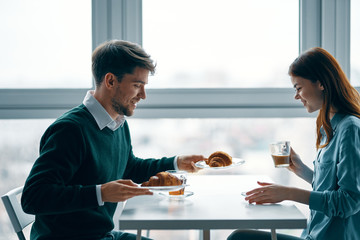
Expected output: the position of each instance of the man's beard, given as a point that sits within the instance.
(120, 109)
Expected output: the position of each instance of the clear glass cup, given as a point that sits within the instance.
(182, 175)
(280, 152)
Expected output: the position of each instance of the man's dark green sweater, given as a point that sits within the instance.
(75, 156)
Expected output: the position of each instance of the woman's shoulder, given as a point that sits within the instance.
(349, 122)
(351, 119)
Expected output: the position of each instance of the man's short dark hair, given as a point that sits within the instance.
(119, 57)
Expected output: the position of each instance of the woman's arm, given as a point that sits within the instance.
(299, 168)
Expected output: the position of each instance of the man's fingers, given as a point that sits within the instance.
(126, 182)
(194, 168)
(198, 158)
(132, 191)
(121, 190)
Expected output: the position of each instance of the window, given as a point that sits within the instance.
(217, 44)
(19, 147)
(244, 138)
(122, 19)
(45, 70)
(45, 44)
(355, 39)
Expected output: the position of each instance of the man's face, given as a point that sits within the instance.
(130, 91)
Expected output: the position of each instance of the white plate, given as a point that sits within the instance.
(165, 188)
(235, 162)
(186, 194)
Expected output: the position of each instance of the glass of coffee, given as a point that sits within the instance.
(182, 175)
(280, 152)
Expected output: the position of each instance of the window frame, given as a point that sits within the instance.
(324, 23)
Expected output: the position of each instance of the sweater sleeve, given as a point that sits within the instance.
(140, 170)
(47, 189)
(345, 200)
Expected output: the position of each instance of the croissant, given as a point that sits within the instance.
(162, 179)
(219, 159)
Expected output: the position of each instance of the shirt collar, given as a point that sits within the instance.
(336, 119)
(102, 117)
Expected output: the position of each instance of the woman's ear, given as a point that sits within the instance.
(321, 87)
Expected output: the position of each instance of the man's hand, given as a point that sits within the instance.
(187, 162)
(121, 190)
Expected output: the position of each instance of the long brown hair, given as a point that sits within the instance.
(317, 64)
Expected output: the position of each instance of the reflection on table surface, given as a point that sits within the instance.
(217, 203)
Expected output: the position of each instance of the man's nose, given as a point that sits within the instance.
(142, 93)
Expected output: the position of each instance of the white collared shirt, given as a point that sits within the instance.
(103, 119)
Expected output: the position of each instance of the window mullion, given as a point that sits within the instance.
(116, 19)
(335, 31)
(127, 20)
(310, 24)
(100, 22)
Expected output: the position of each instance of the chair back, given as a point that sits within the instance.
(19, 219)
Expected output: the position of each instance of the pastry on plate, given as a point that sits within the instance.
(162, 179)
(219, 159)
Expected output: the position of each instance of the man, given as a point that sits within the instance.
(86, 154)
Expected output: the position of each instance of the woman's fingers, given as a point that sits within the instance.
(259, 197)
(268, 193)
(263, 183)
(261, 189)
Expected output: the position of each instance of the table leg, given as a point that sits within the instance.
(273, 234)
(206, 234)
(138, 236)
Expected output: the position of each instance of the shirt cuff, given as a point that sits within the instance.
(175, 163)
(98, 195)
(316, 201)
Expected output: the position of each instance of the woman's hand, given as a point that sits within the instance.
(268, 193)
(272, 193)
(295, 162)
(299, 168)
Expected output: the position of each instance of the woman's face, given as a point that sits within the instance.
(309, 93)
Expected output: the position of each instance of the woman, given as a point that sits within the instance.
(320, 84)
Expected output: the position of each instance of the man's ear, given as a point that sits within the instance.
(109, 80)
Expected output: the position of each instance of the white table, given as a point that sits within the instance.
(217, 203)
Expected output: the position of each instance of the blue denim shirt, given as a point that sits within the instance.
(335, 199)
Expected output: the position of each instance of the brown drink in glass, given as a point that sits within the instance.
(280, 152)
(182, 175)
